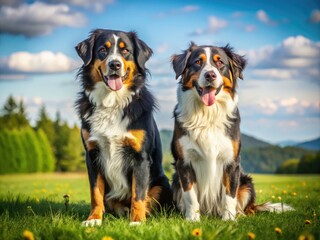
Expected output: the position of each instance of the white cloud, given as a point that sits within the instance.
(286, 107)
(190, 8)
(38, 18)
(295, 58)
(96, 5)
(315, 16)
(162, 48)
(250, 28)
(263, 17)
(42, 62)
(215, 24)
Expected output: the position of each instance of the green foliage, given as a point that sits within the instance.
(13, 115)
(51, 145)
(47, 155)
(309, 163)
(24, 150)
(268, 159)
(289, 166)
(73, 157)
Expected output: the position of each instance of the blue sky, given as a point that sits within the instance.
(279, 98)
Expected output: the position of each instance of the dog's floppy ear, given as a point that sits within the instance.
(179, 62)
(85, 48)
(142, 52)
(237, 62)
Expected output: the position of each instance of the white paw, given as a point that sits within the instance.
(229, 216)
(193, 216)
(92, 222)
(134, 223)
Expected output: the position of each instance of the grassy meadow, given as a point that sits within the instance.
(34, 205)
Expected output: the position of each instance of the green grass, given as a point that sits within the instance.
(35, 203)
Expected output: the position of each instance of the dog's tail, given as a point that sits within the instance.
(273, 207)
(247, 199)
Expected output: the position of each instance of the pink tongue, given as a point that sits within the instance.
(208, 96)
(115, 83)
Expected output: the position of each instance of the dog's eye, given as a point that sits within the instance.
(102, 50)
(125, 51)
(220, 64)
(198, 62)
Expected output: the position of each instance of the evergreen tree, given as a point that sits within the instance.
(47, 156)
(46, 124)
(22, 115)
(73, 153)
(62, 133)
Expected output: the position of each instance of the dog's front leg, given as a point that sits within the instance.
(140, 182)
(97, 182)
(189, 196)
(231, 178)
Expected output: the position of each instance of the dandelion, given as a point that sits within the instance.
(273, 197)
(306, 237)
(279, 198)
(196, 232)
(294, 194)
(284, 192)
(107, 238)
(278, 230)
(43, 190)
(251, 235)
(308, 222)
(27, 235)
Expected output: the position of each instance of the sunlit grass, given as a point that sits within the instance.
(36, 204)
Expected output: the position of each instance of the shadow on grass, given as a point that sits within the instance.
(21, 205)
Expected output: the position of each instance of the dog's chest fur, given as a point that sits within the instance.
(109, 129)
(207, 146)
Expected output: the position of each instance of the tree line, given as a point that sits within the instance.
(49, 145)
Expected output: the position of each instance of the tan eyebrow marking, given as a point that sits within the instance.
(108, 44)
(122, 45)
(216, 57)
(203, 57)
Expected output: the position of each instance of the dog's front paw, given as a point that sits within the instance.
(92, 223)
(193, 216)
(134, 223)
(229, 216)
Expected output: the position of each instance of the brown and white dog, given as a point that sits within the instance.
(120, 136)
(206, 141)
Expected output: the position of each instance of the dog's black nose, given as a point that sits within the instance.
(210, 76)
(114, 65)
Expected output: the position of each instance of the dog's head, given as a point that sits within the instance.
(208, 70)
(117, 58)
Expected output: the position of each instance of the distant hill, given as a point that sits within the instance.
(256, 155)
(312, 144)
(252, 142)
(287, 143)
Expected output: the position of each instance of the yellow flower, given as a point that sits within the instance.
(284, 191)
(27, 235)
(107, 238)
(306, 237)
(251, 235)
(273, 197)
(196, 232)
(294, 194)
(279, 198)
(308, 221)
(278, 230)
